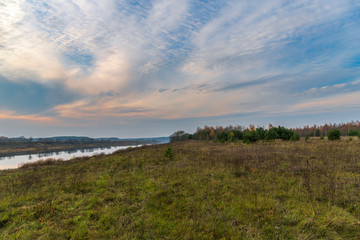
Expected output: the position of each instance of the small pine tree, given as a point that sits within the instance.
(306, 137)
(334, 134)
(169, 153)
(271, 134)
(251, 137)
(295, 137)
(353, 133)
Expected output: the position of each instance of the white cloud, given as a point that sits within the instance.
(236, 40)
(120, 43)
(130, 51)
(24, 51)
(330, 103)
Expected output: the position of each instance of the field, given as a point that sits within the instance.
(206, 190)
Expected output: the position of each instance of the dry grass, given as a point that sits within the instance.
(276, 190)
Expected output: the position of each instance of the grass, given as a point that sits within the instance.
(277, 190)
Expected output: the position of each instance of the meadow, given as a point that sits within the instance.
(190, 190)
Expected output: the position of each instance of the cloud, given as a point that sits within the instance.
(348, 101)
(167, 59)
(24, 51)
(88, 45)
(11, 115)
(242, 85)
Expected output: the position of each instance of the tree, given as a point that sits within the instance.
(353, 132)
(169, 153)
(222, 137)
(212, 133)
(238, 135)
(271, 134)
(284, 133)
(261, 131)
(334, 134)
(251, 136)
(231, 136)
(295, 137)
(179, 136)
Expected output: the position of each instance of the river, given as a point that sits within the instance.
(11, 162)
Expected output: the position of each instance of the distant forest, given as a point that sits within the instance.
(346, 129)
(253, 134)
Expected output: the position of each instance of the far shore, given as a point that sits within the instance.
(47, 148)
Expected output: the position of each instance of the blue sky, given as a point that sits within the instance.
(149, 68)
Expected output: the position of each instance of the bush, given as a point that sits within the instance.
(284, 133)
(231, 136)
(238, 135)
(271, 134)
(169, 153)
(353, 133)
(222, 137)
(251, 136)
(262, 132)
(334, 134)
(179, 136)
(295, 137)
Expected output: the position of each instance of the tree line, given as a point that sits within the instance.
(254, 134)
(346, 129)
(237, 133)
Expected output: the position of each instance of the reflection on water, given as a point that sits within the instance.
(9, 162)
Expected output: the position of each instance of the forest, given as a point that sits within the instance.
(253, 134)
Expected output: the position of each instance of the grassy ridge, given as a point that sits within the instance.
(279, 190)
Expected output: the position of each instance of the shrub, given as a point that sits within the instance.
(334, 134)
(353, 132)
(261, 131)
(295, 137)
(307, 137)
(251, 136)
(284, 133)
(231, 136)
(238, 135)
(271, 134)
(179, 136)
(169, 153)
(222, 137)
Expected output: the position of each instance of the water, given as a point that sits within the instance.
(11, 162)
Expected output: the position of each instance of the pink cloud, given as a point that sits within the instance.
(11, 115)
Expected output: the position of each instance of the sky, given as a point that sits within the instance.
(149, 68)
